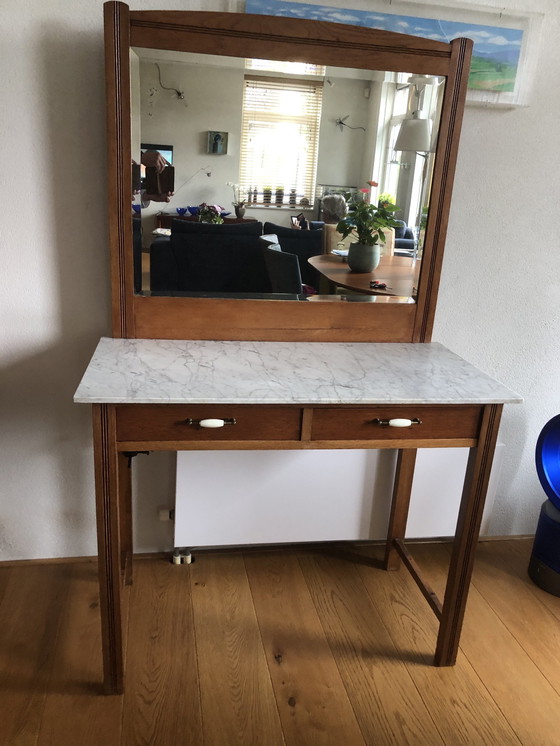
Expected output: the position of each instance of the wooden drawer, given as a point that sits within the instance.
(169, 422)
(358, 423)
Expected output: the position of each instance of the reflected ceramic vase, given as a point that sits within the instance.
(363, 258)
(239, 211)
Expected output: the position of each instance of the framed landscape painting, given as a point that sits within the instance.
(505, 43)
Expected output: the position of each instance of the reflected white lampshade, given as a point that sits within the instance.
(415, 134)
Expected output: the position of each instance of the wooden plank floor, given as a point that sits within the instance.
(281, 647)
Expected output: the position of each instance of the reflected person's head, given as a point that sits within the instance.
(334, 208)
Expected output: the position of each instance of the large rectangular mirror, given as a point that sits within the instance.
(169, 91)
(267, 141)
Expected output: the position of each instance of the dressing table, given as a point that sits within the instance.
(194, 373)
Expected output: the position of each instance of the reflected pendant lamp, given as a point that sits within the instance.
(415, 134)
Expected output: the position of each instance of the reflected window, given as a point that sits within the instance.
(280, 139)
(406, 173)
(285, 67)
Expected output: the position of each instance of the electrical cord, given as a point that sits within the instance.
(180, 94)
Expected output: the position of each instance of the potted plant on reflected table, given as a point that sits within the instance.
(365, 222)
(238, 201)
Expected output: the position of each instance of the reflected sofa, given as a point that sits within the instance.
(229, 258)
(405, 243)
(207, 257)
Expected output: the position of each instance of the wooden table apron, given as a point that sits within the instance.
(122, 429)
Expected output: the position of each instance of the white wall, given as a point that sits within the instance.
(341, 153)
(213, 101)
(500, 300)
(499, 303)
(213, 98)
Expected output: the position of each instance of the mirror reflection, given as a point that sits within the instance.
(243, 168)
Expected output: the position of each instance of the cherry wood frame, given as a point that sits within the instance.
(274, 38)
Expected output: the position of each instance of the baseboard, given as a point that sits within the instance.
(255, 548)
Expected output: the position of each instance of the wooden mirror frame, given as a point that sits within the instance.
(241, 35)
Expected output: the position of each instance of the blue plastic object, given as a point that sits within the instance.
(547, 537)
(547, 458)
(544, 565)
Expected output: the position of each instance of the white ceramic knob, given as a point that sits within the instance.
(400, 422)
(212, 423)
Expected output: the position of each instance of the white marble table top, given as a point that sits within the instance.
(148, 371)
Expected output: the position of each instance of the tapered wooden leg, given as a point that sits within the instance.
(466, 536)
(125, 516)
(402, 489)
(108, 543)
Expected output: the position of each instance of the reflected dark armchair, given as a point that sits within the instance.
(304, 244)
(283, 271)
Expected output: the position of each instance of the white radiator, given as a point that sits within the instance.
(265, 497)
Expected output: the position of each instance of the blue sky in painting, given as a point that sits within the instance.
(491, 42)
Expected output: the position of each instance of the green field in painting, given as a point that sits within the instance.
(490, 75)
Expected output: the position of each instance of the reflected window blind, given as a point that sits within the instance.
(280, 136)
(283, 66)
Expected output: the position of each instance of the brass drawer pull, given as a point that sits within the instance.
(212, 422)
(397, 422)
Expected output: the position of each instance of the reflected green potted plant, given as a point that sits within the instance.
(209, 213)
(366, 223)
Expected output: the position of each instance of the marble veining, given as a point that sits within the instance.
(148, 371)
